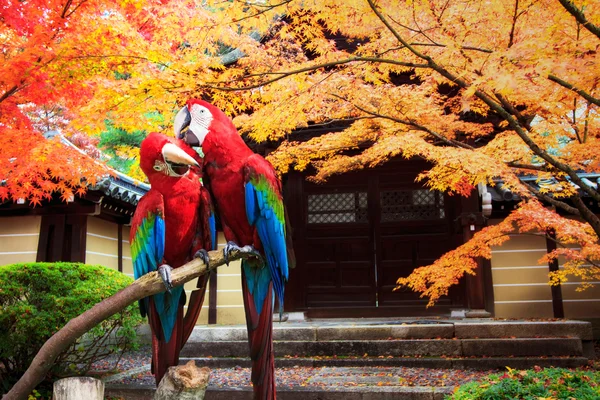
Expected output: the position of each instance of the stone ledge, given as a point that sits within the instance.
(523, 329)
(408, 347)
(522, 347)
(135, 392)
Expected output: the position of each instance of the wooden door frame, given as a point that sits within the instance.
(294, 194)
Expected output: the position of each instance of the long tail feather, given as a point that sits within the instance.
(165, 354)
(260, 334)
(194, 308)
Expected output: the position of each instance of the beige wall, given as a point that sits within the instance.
(19, 238)
(521, 287)
(101, 243)
(230, 304)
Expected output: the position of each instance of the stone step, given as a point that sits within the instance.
(417, 329)
(486, 363)
(410, 347)
(131, 392)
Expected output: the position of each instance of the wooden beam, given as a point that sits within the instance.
(120, 247)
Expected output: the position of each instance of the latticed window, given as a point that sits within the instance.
(337, 208)
(410, 205)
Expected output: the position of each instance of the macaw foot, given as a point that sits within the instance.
(250, 250)
(203, 255)
(165, 273)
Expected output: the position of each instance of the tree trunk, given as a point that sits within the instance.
(78, 388)
(183, 382)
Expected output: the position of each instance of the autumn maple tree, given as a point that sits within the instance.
(485, 91)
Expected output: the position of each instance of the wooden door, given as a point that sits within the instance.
(357, 234)
(338, 257)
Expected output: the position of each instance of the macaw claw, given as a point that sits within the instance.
(203, 255)
(165, 273)
(231, 246)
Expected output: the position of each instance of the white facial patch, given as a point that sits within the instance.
(201, 119)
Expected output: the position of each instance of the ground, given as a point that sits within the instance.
(134, 369)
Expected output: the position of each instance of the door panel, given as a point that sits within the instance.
(347, 279)
(359, 232)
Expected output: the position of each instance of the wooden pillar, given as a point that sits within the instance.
(120, 247)
(472, 220)
(471, 223)
(212, 297)
(557, 299)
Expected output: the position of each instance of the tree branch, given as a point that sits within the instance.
(580, 17)
(587, 214)
(553, 201)
(580, 92)
(511, 109)
(145, 286)
(472, 48)
(514, 23)
(515, 164)
(9, 92)
(285, 74)
(419, 127)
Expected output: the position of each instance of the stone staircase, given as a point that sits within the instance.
(428, 343)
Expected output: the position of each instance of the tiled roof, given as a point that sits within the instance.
(116, 185)
(500, 193)
(121, 187)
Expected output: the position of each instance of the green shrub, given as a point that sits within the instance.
(535, 384)
(38, 299)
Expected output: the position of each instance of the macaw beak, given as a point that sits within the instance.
(183, 120)
(174, 154)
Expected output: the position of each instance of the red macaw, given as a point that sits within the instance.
(248, 199)
(172, 223)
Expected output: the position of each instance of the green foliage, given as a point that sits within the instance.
(536, 384)
(115, 141)
(38, 299)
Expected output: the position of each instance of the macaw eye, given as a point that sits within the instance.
(157, 168)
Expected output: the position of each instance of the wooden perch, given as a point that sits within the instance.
(147, 285)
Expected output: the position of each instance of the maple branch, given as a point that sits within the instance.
(511, 36)
(551, 200)
(495, 106)
(267, 9)
(580, 17)
(9, 93)
(511, 109)
(68, 3)
(145, 286)
(74, 9)
(162, 64)
(580, 92)
(285, 74)
(587, 214)
(419, 127)
(434, 44)
(515, 164)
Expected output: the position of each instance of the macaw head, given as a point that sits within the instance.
(161, 155)
(200, 119)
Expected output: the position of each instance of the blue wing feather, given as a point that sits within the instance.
(213, 230)
(147, 251)
(261, 213)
